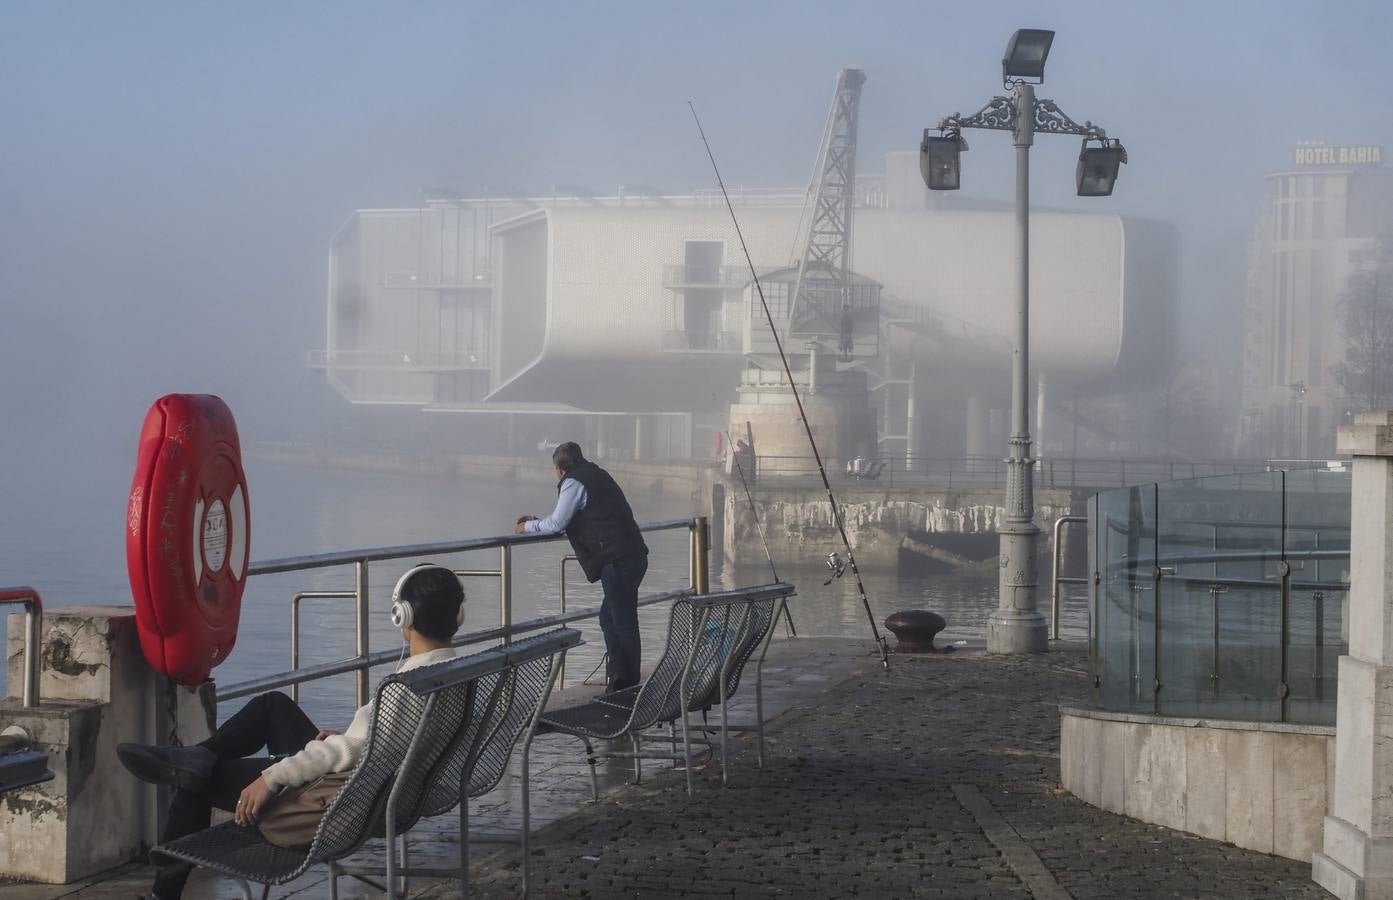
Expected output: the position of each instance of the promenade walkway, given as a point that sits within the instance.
(937, 779)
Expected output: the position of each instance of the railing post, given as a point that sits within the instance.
(698, 566)
(360, 578)
(505, 590)
(562, 674)
(295, 644)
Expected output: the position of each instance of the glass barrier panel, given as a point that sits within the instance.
(1317, 549)
(1249, 653)
(1125, 551)
(1313, 654)
(1219, 545)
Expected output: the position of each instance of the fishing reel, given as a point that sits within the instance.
(836, 565)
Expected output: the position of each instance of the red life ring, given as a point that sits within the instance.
(188, 535)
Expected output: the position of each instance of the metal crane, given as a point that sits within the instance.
(824, 271)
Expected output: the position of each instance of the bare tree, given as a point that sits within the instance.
(1366, 319)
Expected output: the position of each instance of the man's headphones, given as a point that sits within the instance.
(403, 613)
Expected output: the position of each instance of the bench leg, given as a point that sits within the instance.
(464, 837)
(526, 818)
(687, 747)
(725, 733)
(672, 735)
(405, 886)
(638, 763)
(594, 780)
(333, 881)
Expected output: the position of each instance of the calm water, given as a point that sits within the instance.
(66, 539)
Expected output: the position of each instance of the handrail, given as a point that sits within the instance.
(1055, 579)
(295, 626)
(401, 551)
(561, 676)
(1275, 554)
(359, 664)
(33, 628)
(382, 657)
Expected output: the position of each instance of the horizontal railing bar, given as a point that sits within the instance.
(478, 573)
(372, 554)
(1253, 582)
(1275, 555)
(381, 657)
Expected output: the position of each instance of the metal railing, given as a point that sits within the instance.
(365, 658)
(451, 360)
(33, 627)
(952, 473)
(1055, 578)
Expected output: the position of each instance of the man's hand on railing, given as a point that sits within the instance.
(518, 528)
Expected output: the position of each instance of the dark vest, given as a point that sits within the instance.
(605, 530)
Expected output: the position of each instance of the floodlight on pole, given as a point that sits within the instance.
(940, 160)
(1098, 167)
(1017, 625)
(1025, 54)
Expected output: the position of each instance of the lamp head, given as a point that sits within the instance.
(1098, 167)
(1026, 53)
(940, 160)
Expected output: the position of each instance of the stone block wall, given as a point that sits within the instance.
(96, 691)
(1262, 786)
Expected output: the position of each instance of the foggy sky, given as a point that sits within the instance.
(171, 173)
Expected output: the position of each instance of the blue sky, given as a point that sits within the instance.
(171, 173)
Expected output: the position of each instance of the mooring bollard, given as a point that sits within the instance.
(914, 630)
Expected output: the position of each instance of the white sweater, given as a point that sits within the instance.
(339, 752)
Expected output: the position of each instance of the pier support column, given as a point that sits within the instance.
(1357, 858)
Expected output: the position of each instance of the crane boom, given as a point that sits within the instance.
(824, 272)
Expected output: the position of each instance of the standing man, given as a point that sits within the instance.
(848, 327)
(592, 511)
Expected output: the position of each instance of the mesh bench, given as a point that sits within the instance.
(432, 729)
(710, 639)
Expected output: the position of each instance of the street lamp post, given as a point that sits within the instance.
(1017, 626)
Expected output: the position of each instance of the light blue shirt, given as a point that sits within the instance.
(569, 501)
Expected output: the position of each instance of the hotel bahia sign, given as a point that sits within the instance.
(1328, 155)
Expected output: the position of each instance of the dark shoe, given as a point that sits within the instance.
(186, 768)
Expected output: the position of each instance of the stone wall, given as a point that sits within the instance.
(950, 526)
(96, 691)
(1262, 786)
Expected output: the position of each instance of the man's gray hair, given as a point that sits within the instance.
(567, 456)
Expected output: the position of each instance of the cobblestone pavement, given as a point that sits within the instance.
(857, 802)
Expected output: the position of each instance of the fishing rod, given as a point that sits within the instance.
(802, 415)
(754, 511)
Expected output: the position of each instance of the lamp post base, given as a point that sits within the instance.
(1017, 631)
(1017, 626)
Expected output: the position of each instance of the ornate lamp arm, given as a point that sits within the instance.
(1050, 119)
(998, 115)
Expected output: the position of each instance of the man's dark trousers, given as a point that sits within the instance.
(271, 721)
(619, 619)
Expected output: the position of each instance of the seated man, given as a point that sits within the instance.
(428, 605)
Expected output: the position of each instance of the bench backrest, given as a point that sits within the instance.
(423, 720)
(708, 636)
(757, 610)
(491, 740)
